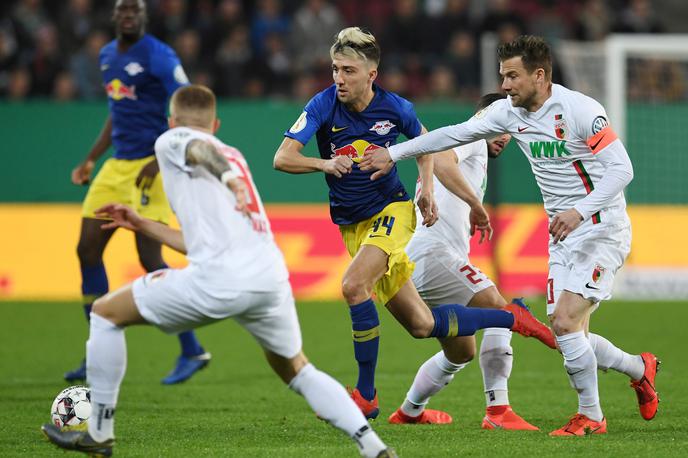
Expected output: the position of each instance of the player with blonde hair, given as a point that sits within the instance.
(352, 117)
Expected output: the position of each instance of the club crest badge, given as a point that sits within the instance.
(560, 128)
(382, 127)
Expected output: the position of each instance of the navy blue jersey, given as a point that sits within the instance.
(340, 132)
(138, 83)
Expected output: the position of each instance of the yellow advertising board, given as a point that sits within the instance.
(38, 250)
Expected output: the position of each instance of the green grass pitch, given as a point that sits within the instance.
(238, 408)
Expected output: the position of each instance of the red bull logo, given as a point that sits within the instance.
(354, 150)
(117, 90)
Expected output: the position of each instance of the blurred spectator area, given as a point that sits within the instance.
(280, 48)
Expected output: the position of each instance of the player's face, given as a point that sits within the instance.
(353, 77)
(518, 82)
(496, 145)
(129, 17)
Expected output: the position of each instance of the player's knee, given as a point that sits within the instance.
(355, 291)
(100, 308)
(562, 324)
(461, 356)
(420, 328)
(88, 254)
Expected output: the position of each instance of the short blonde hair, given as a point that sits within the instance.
(193, 105)
(357, 43)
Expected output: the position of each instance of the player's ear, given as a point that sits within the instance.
(216, 125)
(372, 74)
(170, 122)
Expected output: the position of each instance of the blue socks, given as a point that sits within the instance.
(366, 335)
(190, 345)
(94, 283)
(458, 320)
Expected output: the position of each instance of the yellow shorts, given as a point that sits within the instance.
(116, 182)
(390, 230)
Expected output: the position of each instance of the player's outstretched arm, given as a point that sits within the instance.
(450, 176)
(126, 217)
(290, 159)
(82, 172)
(203, 153)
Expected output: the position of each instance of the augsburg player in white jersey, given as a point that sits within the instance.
(581, 168)
(444, 274)
(235, 271)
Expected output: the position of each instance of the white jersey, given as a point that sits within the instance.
(560, 141)
(234, 253)
(453, 227)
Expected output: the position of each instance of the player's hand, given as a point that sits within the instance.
(121, 215)
(82, 172)
(480, 221)
(338, 166)
(240, 191)
(428, 208)
(145, 178)
(377, 159)
(564, 223)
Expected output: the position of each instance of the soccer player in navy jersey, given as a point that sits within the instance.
(377, 218)
(140, 73)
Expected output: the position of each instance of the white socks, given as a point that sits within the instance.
(496, 361)
(431, 377)
(330, 401)
(581, 365)
(611, 357)
(106, 362)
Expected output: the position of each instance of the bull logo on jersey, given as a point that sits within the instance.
(117, 90)
(382, 127)
(597, 273)
(355, 150)
(133, 68)
(560, 128)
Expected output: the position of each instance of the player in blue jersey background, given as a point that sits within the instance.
(376, 218)
(140, 73)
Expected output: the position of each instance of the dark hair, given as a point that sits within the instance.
(533, 51)
(488, 99)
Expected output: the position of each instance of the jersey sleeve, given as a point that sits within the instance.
(484, 124)
(592, 124)
(170, 148)
(308, 122)
(410, 124)
(165, 66)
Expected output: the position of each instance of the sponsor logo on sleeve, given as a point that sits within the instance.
(180, 75)
(300, 124)
(599, 123)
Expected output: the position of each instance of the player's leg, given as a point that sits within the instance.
(328, 399)
(152, 203)
(432, 376)
(496, 361)
(568, 323)
(94, 281)
(193, 357)
(271, 318)
(367, 267)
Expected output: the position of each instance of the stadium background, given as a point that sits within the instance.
(265, 59)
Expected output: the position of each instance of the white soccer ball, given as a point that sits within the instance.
(71, 407)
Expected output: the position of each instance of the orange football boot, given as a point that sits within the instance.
(648, 398)
(580, 425)
(370, 409)
(527, 325)
(503, 417)
(428, 417)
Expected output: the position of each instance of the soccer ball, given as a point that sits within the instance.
(71, 407)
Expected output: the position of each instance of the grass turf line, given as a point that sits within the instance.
(237, 407)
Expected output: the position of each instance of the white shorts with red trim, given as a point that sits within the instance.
(445, 277)
(586, 262)
(174, 301)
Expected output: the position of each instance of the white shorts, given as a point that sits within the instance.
(445, 277)
(172, 300)
(586, 263)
